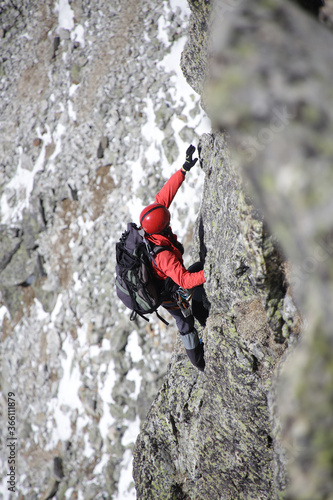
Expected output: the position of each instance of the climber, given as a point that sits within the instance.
(176, 282)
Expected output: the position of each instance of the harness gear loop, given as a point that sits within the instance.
(183, 298)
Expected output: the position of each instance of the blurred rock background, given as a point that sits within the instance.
(94, 118)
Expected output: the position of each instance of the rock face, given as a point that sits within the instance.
(257, 423)
(210, 434)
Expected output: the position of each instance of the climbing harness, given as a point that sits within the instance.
(183, 298)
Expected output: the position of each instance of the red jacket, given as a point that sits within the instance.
(170, 263)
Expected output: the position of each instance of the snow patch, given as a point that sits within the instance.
(182, 4)
(105, 390)
(78, 35)
(134, 375)
(82, 333)
(152, 133)
(133, 347)
(4, 313)
(162, 31)
(67, 398)
(101, 464)
(41, 315)
(57, 308)
(71, 112)
(65, 15)
(73, 88)
(125, 488)
(69, 493)
(57, 134)
(77, 282)
(21, 185)
(85, 225)
(131, 432)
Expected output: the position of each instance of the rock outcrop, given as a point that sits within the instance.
(210, 434)
(258, 423)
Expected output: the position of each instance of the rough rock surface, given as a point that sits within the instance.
(258, 423)
(210, 434)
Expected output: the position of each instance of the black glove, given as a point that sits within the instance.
(190, 162)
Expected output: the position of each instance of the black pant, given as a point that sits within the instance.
(188, 333)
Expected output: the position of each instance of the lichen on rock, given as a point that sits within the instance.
(258, 422)
(211, 433)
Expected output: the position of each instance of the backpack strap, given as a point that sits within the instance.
(134, 314)
(137, 313)
(152, 251)
(162, 319)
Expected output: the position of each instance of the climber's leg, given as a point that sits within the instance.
(194, 349)
(188, 335)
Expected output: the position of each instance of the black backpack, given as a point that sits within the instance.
(136, 284)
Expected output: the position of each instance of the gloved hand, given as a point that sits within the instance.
(189, 162)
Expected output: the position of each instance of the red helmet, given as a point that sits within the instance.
(154, 218)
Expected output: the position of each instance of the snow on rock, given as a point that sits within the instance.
(65, 15)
